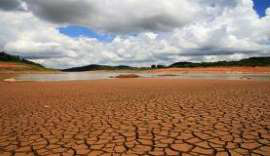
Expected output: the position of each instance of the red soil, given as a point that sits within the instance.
(11, 65)
(127, 76)
(216, 70)
(135, 117)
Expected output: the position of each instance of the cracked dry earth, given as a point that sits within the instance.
(135, 117)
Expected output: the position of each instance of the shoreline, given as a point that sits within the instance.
(87, 76)
(222, 70)
(237, 73)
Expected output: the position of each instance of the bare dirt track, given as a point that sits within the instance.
(135, 117)
(215, 70)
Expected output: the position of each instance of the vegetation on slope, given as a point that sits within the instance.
(20, 63)
(95, 67)
(250, 62)
(29, 65)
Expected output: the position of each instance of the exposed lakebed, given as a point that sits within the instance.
(98, 75)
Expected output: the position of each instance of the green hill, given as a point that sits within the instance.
(15, 63)
(250, 62)
(94, 67)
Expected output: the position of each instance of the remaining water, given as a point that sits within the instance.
(97, 75)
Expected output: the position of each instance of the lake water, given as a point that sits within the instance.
(97, 75)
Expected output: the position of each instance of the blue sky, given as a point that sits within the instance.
(76, 31)
(260, 6)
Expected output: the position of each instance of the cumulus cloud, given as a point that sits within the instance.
(116, 16)
(165, 31)
(12, 5)
(9, 4)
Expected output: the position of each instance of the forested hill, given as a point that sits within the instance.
(16, 63)
(4, 57)
(250, 62)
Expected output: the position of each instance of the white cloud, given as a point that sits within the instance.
(167, 31)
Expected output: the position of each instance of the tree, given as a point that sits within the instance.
(153, 66)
